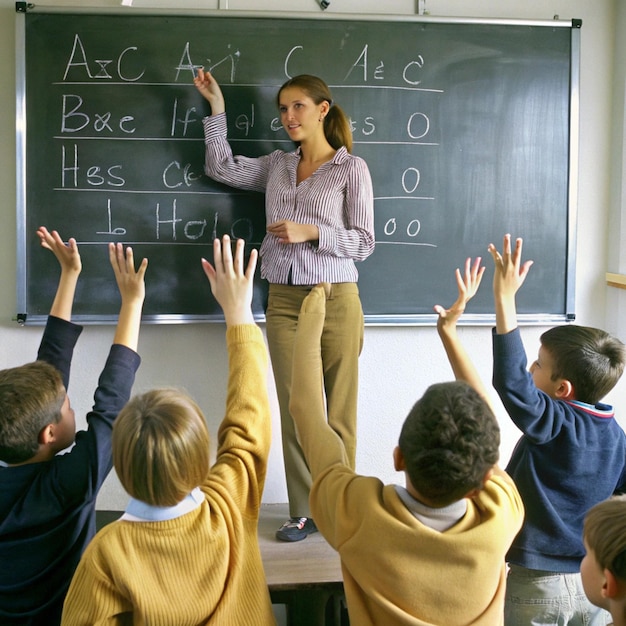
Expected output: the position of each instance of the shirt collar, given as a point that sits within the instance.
(598, 410)
(439, 519)
(340, 155)
(142, 511)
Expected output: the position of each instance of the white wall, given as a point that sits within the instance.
(398, 363)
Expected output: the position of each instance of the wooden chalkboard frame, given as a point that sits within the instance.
(535, 315)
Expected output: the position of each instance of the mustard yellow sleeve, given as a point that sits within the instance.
(322, 447)
(245, 432)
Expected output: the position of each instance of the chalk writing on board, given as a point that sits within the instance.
(84, 123)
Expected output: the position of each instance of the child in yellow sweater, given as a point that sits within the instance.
(432, 552)
(186, 550)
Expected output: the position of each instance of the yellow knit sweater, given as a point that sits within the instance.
(203, 567)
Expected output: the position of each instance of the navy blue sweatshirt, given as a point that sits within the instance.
(47, 510)
(571, 456)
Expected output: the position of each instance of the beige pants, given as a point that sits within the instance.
(342, 340)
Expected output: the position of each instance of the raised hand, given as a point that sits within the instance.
(509, 276)
(68, 257)
(231, 285)
(130, 282)
(510, 273)
(67, 254)
(468, 283)
(132, 288)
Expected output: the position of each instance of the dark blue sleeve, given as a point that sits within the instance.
(90, 460)
(536, 414)
(57, 345)
(115, 383)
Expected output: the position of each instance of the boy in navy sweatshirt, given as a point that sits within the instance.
(47, 500)
(572, 453)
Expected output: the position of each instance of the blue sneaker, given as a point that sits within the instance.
(296, 529)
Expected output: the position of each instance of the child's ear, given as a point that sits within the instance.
(398, 460)
(613, 587)
(474, 492)
(46, 435)
(610, 588)
(565, 390)
(488, 475)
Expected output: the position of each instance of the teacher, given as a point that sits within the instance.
(319, 209)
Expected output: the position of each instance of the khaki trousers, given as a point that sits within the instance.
(342, 341)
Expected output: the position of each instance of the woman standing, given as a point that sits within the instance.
(320, 220)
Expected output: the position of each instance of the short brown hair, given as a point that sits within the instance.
(161, 446)
(590, 358)
(449, 441)
(605, 533)
(31, 397)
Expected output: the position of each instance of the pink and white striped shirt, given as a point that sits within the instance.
(337, 198)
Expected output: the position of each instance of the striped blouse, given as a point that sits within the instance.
(337, 198)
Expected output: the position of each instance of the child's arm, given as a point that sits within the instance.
(461, 363)
(132, 290)
(69, 260)
(508, 277)
(322, 446)
(60, 334)
(89, 461)
(244, 435)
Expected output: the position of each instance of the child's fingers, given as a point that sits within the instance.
(227, 254)
(143, 266)
(250, 269)
(506, 245)
(116, 256)
(209, 271)
(460, 281)
(217, 255)
(476, 266)
(517, 253)
(493, 251)
(113, 256)
(239, 252)
(129, 261)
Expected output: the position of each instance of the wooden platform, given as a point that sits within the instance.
(311, 562)
(305, 576)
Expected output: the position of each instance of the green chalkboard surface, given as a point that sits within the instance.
(468, 128)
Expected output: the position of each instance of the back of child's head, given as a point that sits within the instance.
(589, 358)
(604, 532)
(449, 441)
(31, 397)
(161, 446)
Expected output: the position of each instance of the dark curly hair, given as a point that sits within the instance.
(449, 441)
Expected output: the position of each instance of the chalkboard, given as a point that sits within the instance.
(469, 129)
